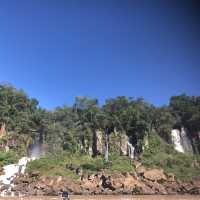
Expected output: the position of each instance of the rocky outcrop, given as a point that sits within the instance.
(141, 181)
(98, 143)
(155, 175)
(118, 143)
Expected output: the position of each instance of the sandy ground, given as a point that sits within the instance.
(109, 197)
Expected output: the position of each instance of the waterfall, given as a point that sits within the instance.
(181, 141)
(131, 150)
(176, 140)
(187, 146)
(10, 172)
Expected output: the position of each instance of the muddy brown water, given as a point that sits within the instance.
(109, 197)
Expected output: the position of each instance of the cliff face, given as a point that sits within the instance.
(121, 144)
(118, 143)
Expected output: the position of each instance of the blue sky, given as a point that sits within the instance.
(58, 49)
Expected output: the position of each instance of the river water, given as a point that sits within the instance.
(110, 197)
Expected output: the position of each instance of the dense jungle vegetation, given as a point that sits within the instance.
(69, 130)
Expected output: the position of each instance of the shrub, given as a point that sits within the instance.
(7, 158)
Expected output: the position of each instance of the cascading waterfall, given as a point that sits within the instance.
(12, 170)
(181, 141)
(176, 140)
(187, 146)
(131, 150)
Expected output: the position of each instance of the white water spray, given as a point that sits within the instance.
(176, 139)
(36, 151)
(187, 145)
(181, 141)
(12, 170)
(131, 150)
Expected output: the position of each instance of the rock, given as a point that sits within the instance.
(187, 187)
(2, 171)
(156, 187)
(89, 186)
(124, 144)
(155, 175)
(59, 179)
(171, 187)
(196, 181)
(192, 187)
(40, 185)
(149, 182)
(72, 187)
(39, 193)
(117, 181)
(4, 187)
(22, 179)
(129, 184)
(147, 190)
(79, 171)
(195, 191)
(171, 177)
(136, 164)
(50, 182)
(34, 174)
(71, 166)
(140, 170)
(98, 146)
(91, 177)
(92, 183)
(19, 187)
(133, 185)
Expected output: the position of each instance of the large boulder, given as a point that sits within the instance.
(172, 187)
(156, 187)
(140, 170)
(195, 186)
(135, 186)
(155, 175)
(129, 184)
(117, 181)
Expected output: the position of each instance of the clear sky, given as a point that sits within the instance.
(58, 49)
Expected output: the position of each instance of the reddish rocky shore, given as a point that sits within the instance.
(108, 197)
(142, 181)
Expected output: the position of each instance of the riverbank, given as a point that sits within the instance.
(142, 182)
(108, 197)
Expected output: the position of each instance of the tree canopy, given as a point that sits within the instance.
(71, 128)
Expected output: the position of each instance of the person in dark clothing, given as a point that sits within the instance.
(65, 195)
